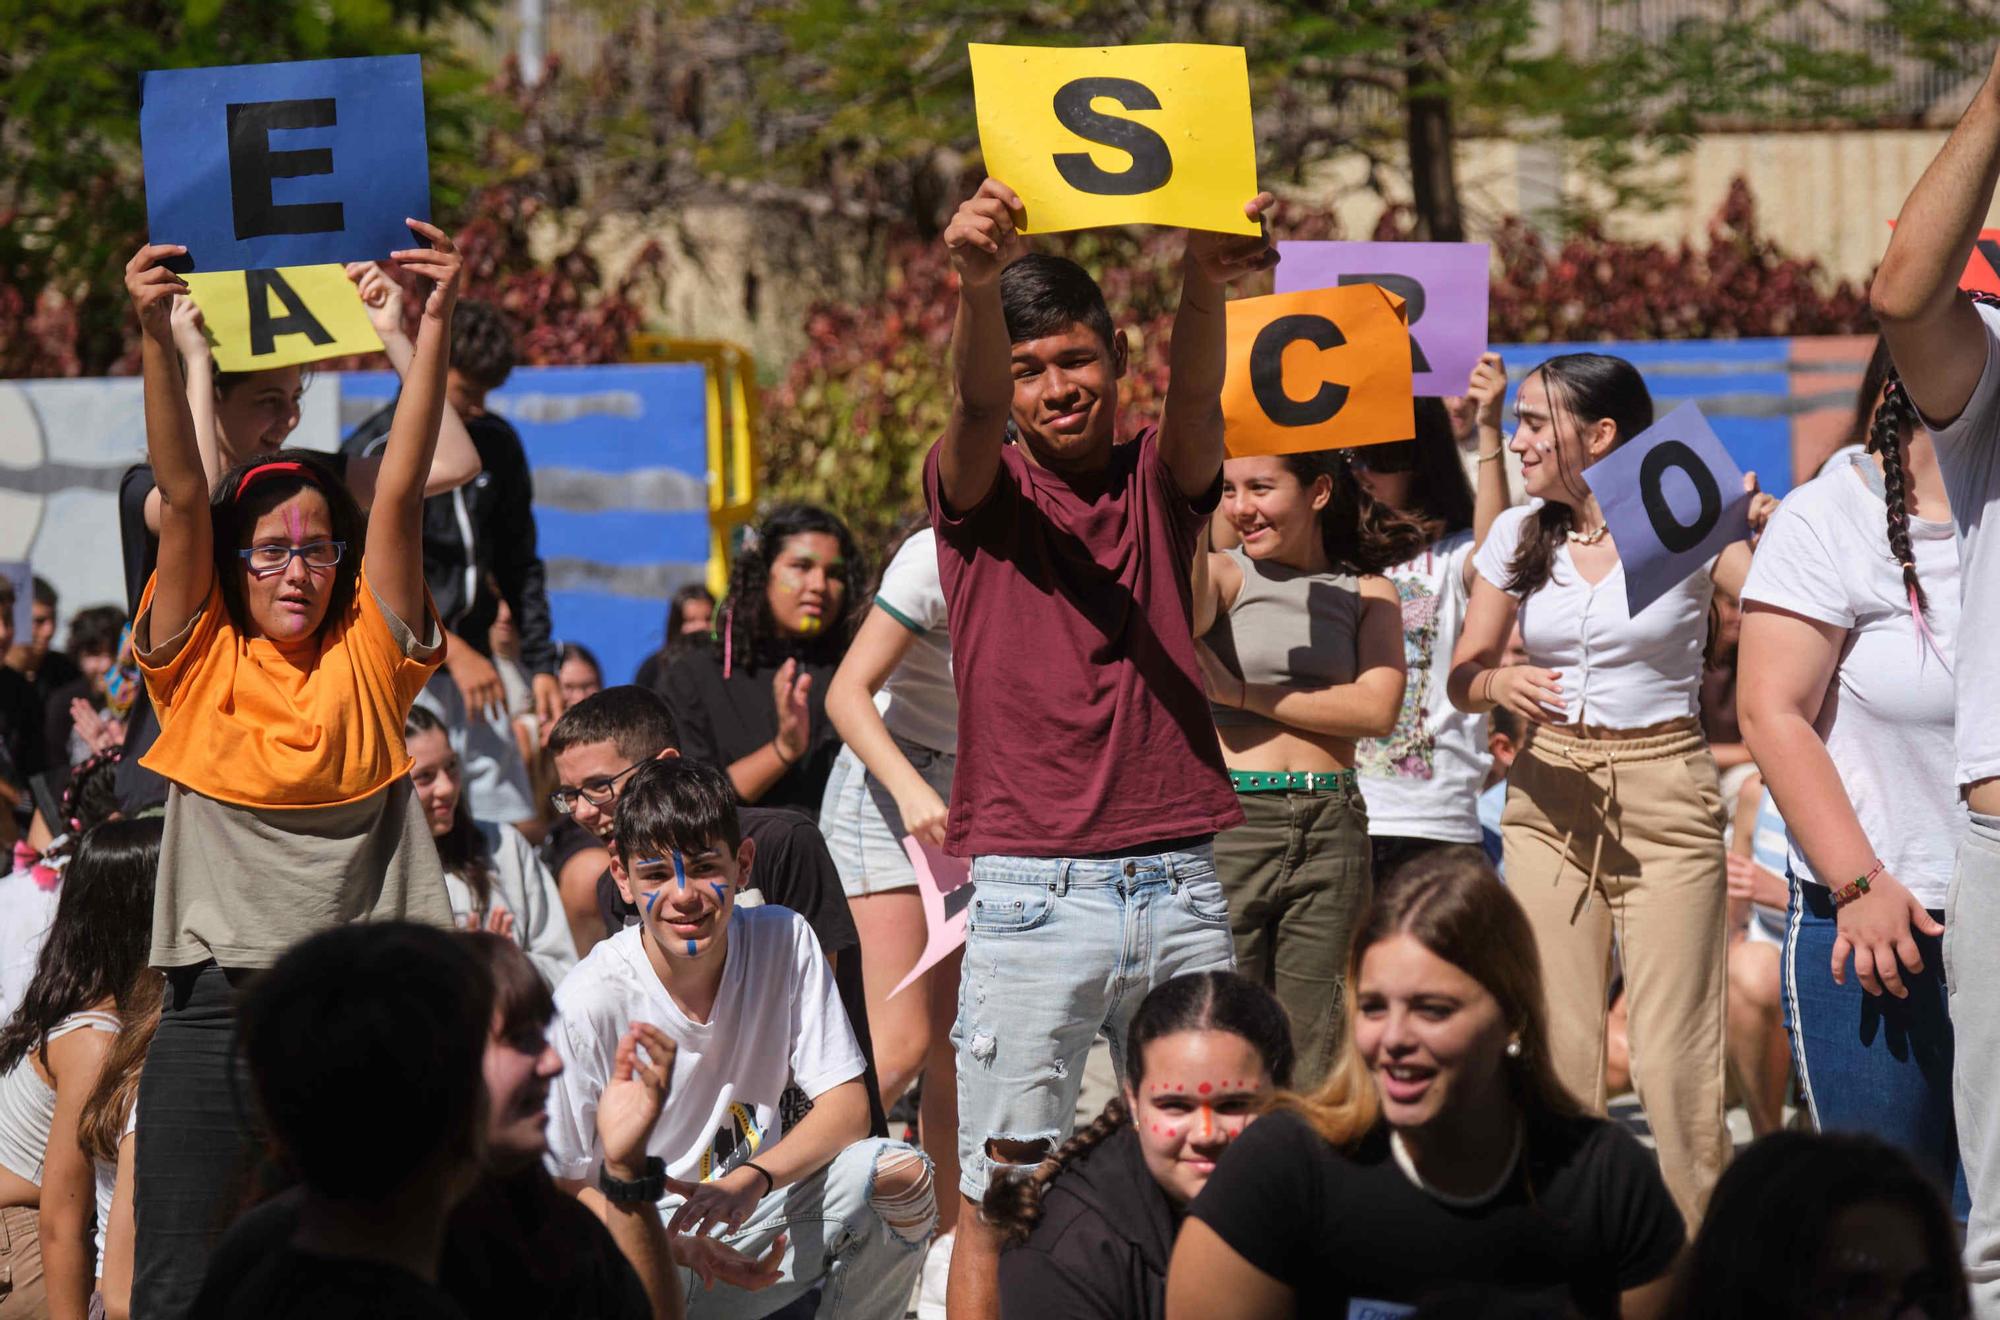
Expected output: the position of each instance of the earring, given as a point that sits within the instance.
(1514, 1048)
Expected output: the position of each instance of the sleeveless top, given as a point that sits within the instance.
(1286, 626)
(28, 1104)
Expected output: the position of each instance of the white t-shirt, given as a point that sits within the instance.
(918, 701)
(1422, 781)
(523, 886)
(1968, 454)
(777, 1022)
(26, 912)
(1617, 671)
(1887, 719)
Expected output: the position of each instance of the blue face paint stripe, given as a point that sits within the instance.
(680, 870)
(721, 890)
(691, 949)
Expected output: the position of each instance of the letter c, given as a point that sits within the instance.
(1267, 371)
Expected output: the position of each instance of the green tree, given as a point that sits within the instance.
(72, 191)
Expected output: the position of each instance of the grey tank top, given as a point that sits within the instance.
(1286, 626)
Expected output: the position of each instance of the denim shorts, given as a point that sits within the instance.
(863, 829)
(1057, 952)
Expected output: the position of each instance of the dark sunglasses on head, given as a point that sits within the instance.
(1390, 459)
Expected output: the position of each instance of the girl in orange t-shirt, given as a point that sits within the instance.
(284, 637)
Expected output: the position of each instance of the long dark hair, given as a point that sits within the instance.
(101, 1125)
(1452, 903)
(1361, 535)
(1759, 1251)
(748, 634)
(1440, 498)
(96, 948)
(232, 517)
(462, 848)
(1588, 388)
(1199, 1001)
(1884, 415)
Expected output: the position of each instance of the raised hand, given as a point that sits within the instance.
(642, 1072)
(789, 689)
(153, 289)
(190, 330)
(1487, 391)
(1762, 506)
(382, 296)
(439, 263)
(1225, 258)
(982, 237)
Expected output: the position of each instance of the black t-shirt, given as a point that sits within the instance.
(722, 720)
(301, 1286)
(20, 728)
(791, 868)
(515, 1246)
(1585, 1217)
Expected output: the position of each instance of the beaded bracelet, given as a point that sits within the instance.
(1842, 897)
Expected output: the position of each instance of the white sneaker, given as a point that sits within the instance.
(937, 1269)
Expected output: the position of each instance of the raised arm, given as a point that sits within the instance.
(1934, 334)
(850, 703)
(1488, 392)
(396, 518)
(186, 567)
(982, 239)
(1788, 663)
(456, 460)
(1191, 416)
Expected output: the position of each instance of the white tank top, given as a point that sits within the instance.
(28, 1104)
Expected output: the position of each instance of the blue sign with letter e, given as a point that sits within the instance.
(255, 166)
(1673, 499)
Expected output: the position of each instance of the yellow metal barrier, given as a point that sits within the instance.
(732, 430)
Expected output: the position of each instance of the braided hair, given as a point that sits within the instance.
(1199, 1001)
(1895, 418)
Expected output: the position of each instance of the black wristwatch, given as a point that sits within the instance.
(643, 1190)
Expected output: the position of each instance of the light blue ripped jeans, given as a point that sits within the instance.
(1058, 951)
(860, 1238)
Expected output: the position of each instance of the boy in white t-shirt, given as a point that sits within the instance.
(764, 1136)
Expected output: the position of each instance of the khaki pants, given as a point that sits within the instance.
(1296, 877)
(23, 1291)
(1621, 831)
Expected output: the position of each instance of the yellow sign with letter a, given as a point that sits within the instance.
(1323, 369)
(1117, 135)
(258, 319)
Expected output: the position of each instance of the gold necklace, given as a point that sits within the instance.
(1591, 537)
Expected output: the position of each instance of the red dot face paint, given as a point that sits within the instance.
(1204, 1088)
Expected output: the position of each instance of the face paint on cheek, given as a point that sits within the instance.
(721, 890)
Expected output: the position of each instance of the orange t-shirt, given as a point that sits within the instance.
(315, 724)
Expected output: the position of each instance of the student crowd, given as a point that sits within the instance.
(366, 954)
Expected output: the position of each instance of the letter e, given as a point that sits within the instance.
(253, 166)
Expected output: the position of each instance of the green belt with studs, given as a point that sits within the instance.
(1293, 781)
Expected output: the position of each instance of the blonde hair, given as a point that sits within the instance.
(1451, 902)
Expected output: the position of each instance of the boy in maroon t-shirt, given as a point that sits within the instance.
(1089, 779)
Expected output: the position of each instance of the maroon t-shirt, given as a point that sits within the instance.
(1082, 725)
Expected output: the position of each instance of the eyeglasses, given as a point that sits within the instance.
(265, 560)
(597, 792)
